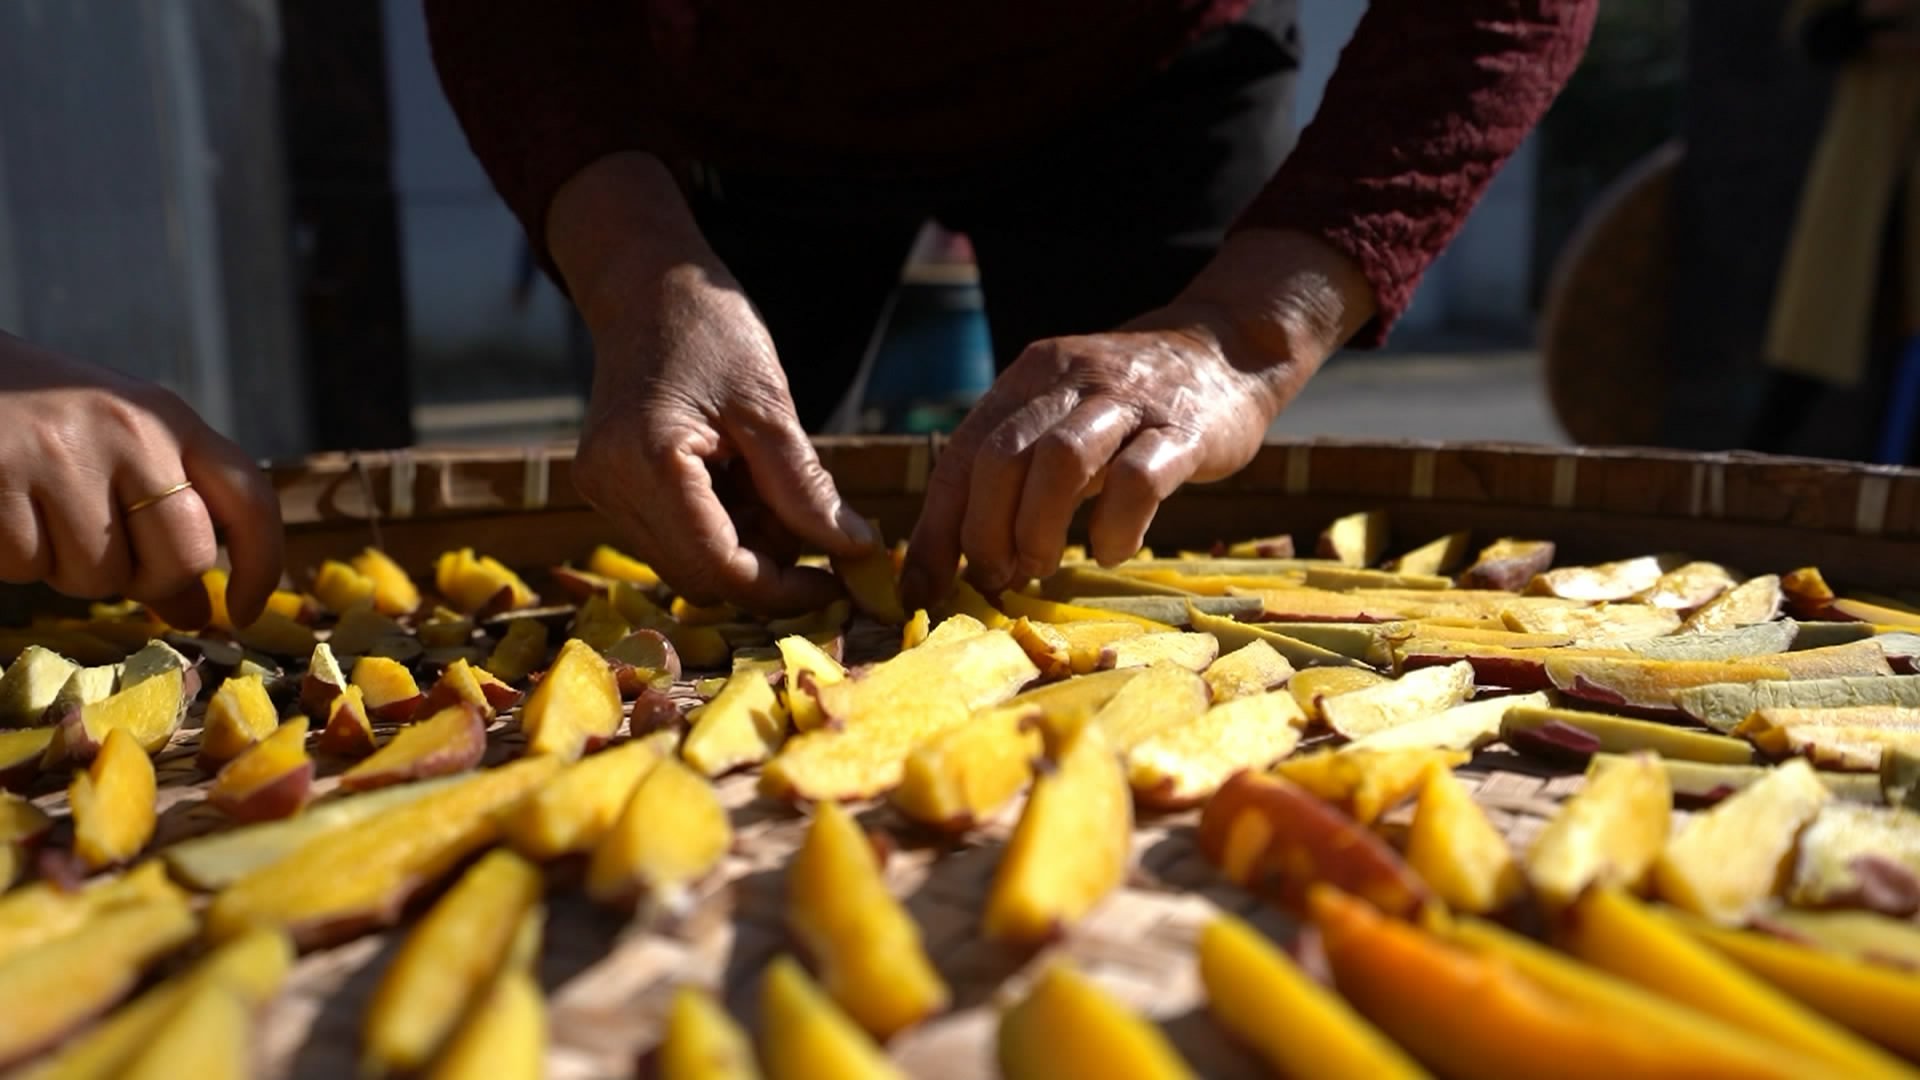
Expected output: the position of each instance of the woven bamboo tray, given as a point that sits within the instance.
(609, 980)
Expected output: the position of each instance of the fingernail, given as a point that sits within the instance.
(855, 527)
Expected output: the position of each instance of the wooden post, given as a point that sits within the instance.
(346, 224)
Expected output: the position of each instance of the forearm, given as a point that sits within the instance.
(543, 90)
(617, 230)
(1429, 100)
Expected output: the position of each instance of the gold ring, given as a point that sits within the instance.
(152, 499)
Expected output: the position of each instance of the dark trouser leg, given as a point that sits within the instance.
(1111, 219)
(818, 265)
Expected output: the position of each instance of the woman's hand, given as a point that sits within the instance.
(688, 396)
(80, 446)
(1185, 393)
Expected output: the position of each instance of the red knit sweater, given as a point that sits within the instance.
(1430, 97)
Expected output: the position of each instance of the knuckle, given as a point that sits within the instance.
(1065, 450)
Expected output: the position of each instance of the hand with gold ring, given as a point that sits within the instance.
(113, 487)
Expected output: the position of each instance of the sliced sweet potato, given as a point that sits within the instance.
(505, 1034)
(21, 822)
(214, 861)
(1726, 862)
(452, 740)
(1859, 856)
(1355, 540)
(1048, 648)
(672, 833)
(49, 990)
(1413, 696)
(1687, 587)
(447, 963)
(394, 592)
(1366, 783)
(1467, 726)
(1647, 685)
(1609, 834)
(342, 588)
(1862, 935)
(571, 814)
(1253, 668)
(209, 1035)
(1606, 581)
(807, 664)
(1441, 556)
(964, 774)
(1019, 605)
(865, 947)
(150, 712)
(1085, 643)
(347, 880)
(250, 969)
(1617, 934)
(458, 684)
(277, 635)
(1857, 659)
(1458, 852)
(1070, 847)
(1508, 564)
(874, 720)
(85, 686)
(445, 628)
(1758, 639)
(480, 584)
(1601, 626)
(916, 631)
(702, 1042)
(1190, 651)
(1163, 696)
(521, 650)
(1807, 594)
(31, 683)
(1355, 579)
(32, 915)
(612, 563)
(803, 1036)
(387, 689)
(1272, 837)
(240, 714)
(1278, 546)
(1756, 600)
(873, 584)
(1703, 783)
(1315, 685)
(643, 660)
(1183, 764)
(576, 706)
(1723, 705)
(1234, 635)
(113, 803)
(1250, 984)
(322, 683)
(1068, 1027)
(21, 753)
(272, 779)
(1621, 735)
(743, 725)
(349, 731)
(1853, 738)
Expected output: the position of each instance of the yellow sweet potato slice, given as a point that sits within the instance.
(1728, 861)
(1414, 696)
(239, 715)
(916, 630)
(1648, 684)
(1687, 587)
(1467, 726)
(1851, 738)
(1865, 658)
(447, 963)
(1615, 933)
(341, 587)
(49, 990)
(1019, 605)
(271, 779)
(672, 832)
(1636, 1032)
(1253, 668)
(394, 592)
(1298, 1027)
(277, 635)
(450, 741)
(1066, 1028)
(251, 968)
(1622, 735)
(571, 814)
(214, 861)
(1070, 847)
(804, 1037)
(1315, 685)
(1441, 556)
(30, 685)
(1355, 540)
(210, 1035)
(873, 584)
(808, 668)
(21, 753)
(1599, 627)
(612, 563)
(149, 712)
(1366, 783)
(1872, 1000)
(1458, 852)
(480, 584)
(1508, 564)
(387, 688)
(1192, 651)
(1272, 837)
(1608, 834)
(1754, 601)
(1048, 648)
(1086, 643)
(1234, 635)
(21, 822)
(743, 725)
(865, 947)
(963, 775)
(1181, 765)
(113, 803)
(1859, 856)
(349, 731)
(1165, 695)
(1605, 581)
(702, 1042)
(348, 880)
(35, 914)
(575, 708)
(505, 1037)
(874, 721)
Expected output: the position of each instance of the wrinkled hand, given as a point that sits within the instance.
(688, 394)
(79, 444)
(1182, 394)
